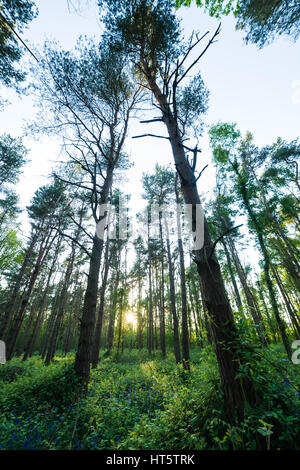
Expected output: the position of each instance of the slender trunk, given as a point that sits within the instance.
(184, 311)
(87, 322)
(277, 225)
(232, 277)
(120, 325)
(289, 266)
(61, 309)
(38, 323)
(113, 305)
(194, 308)
(157, 300)
(173, 304)
(24, 338)
(206, 319)
(77, 306)
(17, 321)
(72, 309)
(98, 330)
(11, 303)
(162, 326)
(266, 256)
(150, 302)
(253, 310)
(286, 301)
(262, 298)
(50, 324)
(280, 322)
(139, 313)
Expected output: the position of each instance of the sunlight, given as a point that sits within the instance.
(130, 319)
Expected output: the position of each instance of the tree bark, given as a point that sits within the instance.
(17, 321)
(10, 304)
(162, 326)
(177, 352)
(184, 311)
(87, 322)
(232, 277)
(98, 330)
(236, 391)
(113, 304)
(61, 309)
(150, 300)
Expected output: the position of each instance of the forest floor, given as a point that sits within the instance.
(137, 402)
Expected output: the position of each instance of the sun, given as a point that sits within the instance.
(130, 318)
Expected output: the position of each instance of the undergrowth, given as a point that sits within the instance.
(140, 402)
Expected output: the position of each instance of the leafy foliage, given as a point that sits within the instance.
(139, 402)
(150, 25)
(214, 7)
(17, 14)
(12, 158)
(263, 20)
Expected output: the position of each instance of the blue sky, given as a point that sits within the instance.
(258, 89)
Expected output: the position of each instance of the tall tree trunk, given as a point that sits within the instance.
(50, 324)
(226, 342)
(276, 223)
(253, 310)
(62, 307)
(17, 321)
(287, 302)
(24, 338)
(184, 311)
(267, 262)
(162, 325)
(120, 323)
(139, 312)
(12, 299)
(194, 308)
(98, 329)
(232, 277)
(113, 305)
(150, 301)
(87, 322)
(72, 309)
(289, 266)
(173, 305)
(38, 323)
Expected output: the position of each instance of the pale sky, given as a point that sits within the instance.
(258, 89)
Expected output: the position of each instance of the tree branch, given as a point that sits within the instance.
(75, 241)
(17, 35)
(81, 227)
(211, 41)
(152, 120)
(150, 135)
(222, 236)
(200, 174)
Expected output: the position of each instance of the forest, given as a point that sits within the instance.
(168, 322)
